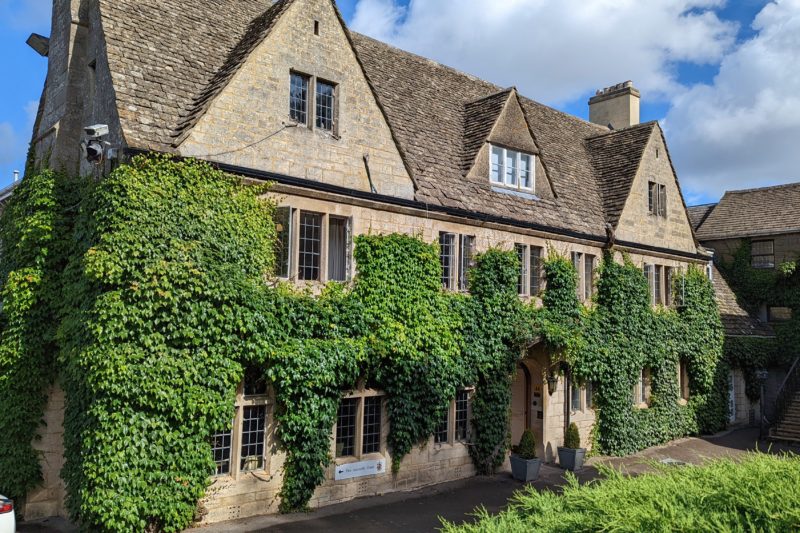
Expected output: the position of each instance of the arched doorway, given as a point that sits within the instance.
(528, 399)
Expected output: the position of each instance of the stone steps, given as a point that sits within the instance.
(788, 429)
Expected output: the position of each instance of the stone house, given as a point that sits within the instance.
(769, 219)
(360, 137)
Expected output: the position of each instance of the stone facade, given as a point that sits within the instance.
(48, 499)
(636, 223)
(255, 104)
(787, 247)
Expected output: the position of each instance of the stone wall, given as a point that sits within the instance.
(255, 104)
(636, 224)
(787, 247)
(48, 499)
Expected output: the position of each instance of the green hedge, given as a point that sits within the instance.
(758, 494)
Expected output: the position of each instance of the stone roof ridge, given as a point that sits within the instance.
(258, 29)
(791, 186)
(627, 129)
(504, 92)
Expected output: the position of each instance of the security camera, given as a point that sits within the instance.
(98, 130)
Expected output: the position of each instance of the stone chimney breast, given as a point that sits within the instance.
(616, 106)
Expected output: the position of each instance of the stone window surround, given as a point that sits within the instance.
(683, 382)
(517, 172)
(584, 397)
(360, 394)
(643, 388)
(660, 294)
(235, 472)
(656, 201)
(451, 422)
(311, 104)
(294, 246)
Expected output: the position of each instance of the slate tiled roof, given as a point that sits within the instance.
(616, 157)
(424, 103)
(754, 212)
(736, 321)
(170, 58)
(163, 54)
(699, 213)
(479, 117)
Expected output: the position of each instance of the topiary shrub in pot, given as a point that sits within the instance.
(524, 464)
(571, 455)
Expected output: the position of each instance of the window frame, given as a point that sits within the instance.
(535, 270)
(515, 183)
(770, 264)
(242, 401)
(295, 217)
(311, 102)
(334, 105)
(453, 435)
(454, 276)
(657, 199)
(578, 259)
(309, 81)
(360, 396)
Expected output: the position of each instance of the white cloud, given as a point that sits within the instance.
(742, 130)
(556, 50)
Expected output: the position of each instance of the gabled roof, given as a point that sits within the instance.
(170, 58)
(163, 54)
(754, 213)
(616, 157)
(480, 117)
(736, 321)
(699, 213)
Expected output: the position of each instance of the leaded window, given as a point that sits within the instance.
(447, 256)
(254, 425)
(283, 242)
(522, 278)
(221, 450)
(326, 95)
(339, 244)
(657, 275)
(346, 427)
(372, 424)
(298, 98)
(462, 414)
(762, 254)
(466, 260)
(310, 246)
(536, 270)
(588, 276)
(440, 435)
(577, 264)
(575, 397)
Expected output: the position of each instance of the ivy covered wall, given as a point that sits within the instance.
(162, 302)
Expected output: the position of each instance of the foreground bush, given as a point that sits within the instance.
(760, 493)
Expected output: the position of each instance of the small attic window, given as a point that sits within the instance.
(512, 169)
(316, 27)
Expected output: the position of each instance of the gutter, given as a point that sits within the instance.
(263, 175)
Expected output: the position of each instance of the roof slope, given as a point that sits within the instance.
(753, 213)
(424, 103)
(616, 157)
(736, 321)
(480, 117)
(162, 54)
(699, 213)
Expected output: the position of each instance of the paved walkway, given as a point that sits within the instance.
(420, 510)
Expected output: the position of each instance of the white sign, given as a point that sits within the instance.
(360, 469)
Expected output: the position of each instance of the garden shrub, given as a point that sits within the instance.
(526, 449)
(757, 494)
(572, 438)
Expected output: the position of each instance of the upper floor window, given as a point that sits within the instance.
(584, 268)
(659, 284)
(456, 254)
(779, 313)
(512, 169)
(305, 89)
(326, 98)
(657, 199)
(531, 272)
(298, 98)
(762, 254)
(320, 241)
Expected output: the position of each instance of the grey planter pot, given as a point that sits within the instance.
(571, 458)
(525, 469)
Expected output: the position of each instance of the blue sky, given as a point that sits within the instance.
(698, 64)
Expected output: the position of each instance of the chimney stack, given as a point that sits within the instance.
(616, 107)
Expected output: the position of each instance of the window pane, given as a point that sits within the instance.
(589, 395)
(668, 286)
(652, 197)
(497, 170)
(575, 400)
(588, 276)
(762, 253)
(255, 384)
(310, 244)
(462, 407)
(325, 105)
(372, 424)
(536, 271)
(522, 279)
(338, 248)
(346, 427)
(657, 284)
(525, 177)
(298, 98)
(440, 435)
(447, 256)
(283, 243)
(648, 272)
(511, 168)
(467, 252)
(577, 263)
(221, 450)
(662, 200)
(254, 423)
(644, 383)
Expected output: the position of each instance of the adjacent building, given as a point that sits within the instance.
(358, 137)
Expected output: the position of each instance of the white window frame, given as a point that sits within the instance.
(235, 470)
(502, 172)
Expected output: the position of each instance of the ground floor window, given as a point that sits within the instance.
(683, 379)
(454, 424)
(359, 425)
(641, 391)
(242, 447)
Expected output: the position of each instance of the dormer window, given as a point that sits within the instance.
(512, 169)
